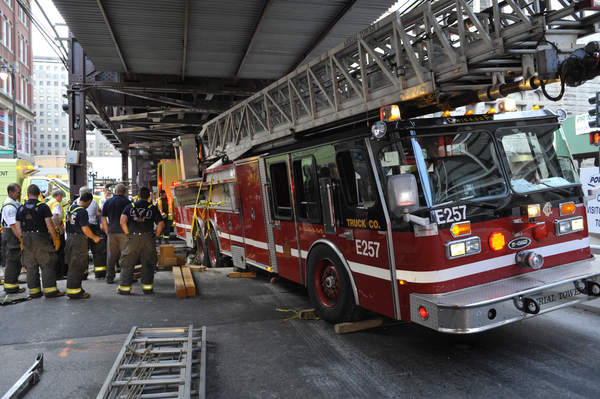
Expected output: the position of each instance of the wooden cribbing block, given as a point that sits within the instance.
(345, 328)
(242, 275)
(180, 291)
(188, 279)
(307, 314)
(196, 268)
(166, 255)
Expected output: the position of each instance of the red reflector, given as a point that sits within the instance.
(423, 312)
(540, 232)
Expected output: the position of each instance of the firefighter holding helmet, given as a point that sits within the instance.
(137, 221)
(36, 230)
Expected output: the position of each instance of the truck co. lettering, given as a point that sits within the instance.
(363, 223)
(561, 295)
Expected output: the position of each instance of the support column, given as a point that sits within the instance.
(134, 171)
(77, 140)
(125, 165)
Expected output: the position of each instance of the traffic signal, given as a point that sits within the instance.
(595, 138)
(595, 111)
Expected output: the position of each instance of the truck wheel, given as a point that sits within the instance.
(214, 257)
(329, 287)
(201, 251)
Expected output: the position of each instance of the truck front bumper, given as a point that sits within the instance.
(490, 305)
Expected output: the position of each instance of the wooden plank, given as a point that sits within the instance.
(188, 279)
(242, 275)
(345, 328)
(180, 291)
(307, 314)
(197, 268)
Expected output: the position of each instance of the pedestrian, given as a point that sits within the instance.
(107, 195)
(36, 230)
(98, 249)
(137, 221)
(11, 246)
(167, 216)
(78, 232)
(111, 216)
(56, 207)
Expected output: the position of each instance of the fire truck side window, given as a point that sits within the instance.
(280, 189)
(306, 190)
(358, 187)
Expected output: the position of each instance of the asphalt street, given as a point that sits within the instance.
(254, 353)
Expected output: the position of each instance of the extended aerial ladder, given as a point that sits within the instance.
(438, 55)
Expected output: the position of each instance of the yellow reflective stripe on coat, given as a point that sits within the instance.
(71, 291)
(8, 285)
(146, 286)
(34, 290)
(50, 289)
(124, 288)
(99, 268)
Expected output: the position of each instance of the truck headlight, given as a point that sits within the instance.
(566, 226)
(468, 246)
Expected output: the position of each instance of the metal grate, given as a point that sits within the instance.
(159, 363)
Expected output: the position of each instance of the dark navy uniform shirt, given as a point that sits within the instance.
(142, 216)
(32, 216)
(77, 217)
(112, 209)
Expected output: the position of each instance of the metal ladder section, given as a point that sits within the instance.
(440, 54)
(159, 363)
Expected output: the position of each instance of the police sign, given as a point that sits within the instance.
(590, 183)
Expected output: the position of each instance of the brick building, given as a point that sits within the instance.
(15, 50)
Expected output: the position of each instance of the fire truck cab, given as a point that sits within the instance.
(460, 224)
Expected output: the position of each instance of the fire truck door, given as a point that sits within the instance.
(283, 218)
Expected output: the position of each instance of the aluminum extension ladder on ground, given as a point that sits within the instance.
(159, 363)
(440, 54)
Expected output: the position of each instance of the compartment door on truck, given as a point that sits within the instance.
(283, 217)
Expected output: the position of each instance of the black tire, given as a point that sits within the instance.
(329, 286)
(201, 250)
(215, 258)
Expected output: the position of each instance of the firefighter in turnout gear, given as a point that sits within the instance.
(98, 249)
(10, 243)
(36, 230)
(137, 221)
(76, 250)
(167, 216)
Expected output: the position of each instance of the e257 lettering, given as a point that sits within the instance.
(367, 248)
(451, 215)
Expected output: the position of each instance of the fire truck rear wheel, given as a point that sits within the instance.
(329, 286)
(215, 259)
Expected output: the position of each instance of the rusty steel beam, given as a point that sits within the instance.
(154, 97)
(112, 35)
(77, 119)
(323, 33)
(253, 37)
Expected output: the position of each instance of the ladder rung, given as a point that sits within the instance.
(173, 339)
(171, 381)
(152, 365)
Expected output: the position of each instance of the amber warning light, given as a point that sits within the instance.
(389, 113)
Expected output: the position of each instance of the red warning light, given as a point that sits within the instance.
(423, 313)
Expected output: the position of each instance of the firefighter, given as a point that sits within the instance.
(167, 217)
(10, 243)
(98, 249)
(111, 216)
(137, 221)
(78, 232)
(58, 218)
(37, 232)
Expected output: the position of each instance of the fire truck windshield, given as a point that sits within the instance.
(532, 160)
(448, 167)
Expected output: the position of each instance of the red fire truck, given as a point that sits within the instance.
(458, 223)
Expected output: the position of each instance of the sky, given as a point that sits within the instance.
(39, 44)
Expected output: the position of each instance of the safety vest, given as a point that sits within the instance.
(52, 203)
